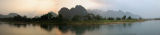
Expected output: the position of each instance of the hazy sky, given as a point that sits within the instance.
(38, 7)
(144, 8)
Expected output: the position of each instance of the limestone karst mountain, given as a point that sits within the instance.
(65, 12)
(78, 11)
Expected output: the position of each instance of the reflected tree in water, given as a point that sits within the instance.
(47, 27)
(20, 25)
(78, 29)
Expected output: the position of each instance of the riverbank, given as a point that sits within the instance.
(106, 22)
(89, 22)
(135, 28)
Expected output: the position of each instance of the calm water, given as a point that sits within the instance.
(136, 28)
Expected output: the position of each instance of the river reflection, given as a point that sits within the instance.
(136, 28)
(73, 29)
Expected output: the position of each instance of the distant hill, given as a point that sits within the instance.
(9, 15)
(114, 14)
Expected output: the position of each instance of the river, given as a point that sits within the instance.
(151, 27)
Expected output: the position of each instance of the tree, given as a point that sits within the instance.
(129, 17)
(110, 18)
(60, 17)
(21, 18)
(124, 17)
(118, 18)
(25, 18)
(48, 16)
(140, 18)
(97, 17)
(36, 18)
(18, 18)
(76, 18)
(90, 16)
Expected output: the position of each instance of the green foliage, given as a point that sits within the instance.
(48, 16)
(129, 17)
(59, 18)
(76, 18)
(140, 18)
(118, 18)
(124, 17)
(18, 18)
(110, 18)
(98, 17)
(36, 18)
(90, 16)
(21, 18)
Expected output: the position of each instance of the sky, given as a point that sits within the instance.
(144, 8)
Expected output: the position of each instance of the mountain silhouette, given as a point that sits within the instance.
(65, 12)
(75, 11)
(10, 15)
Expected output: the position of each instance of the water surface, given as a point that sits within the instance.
(137, 28)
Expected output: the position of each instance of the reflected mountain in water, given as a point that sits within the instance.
(137, 28)
(47, 27)
(77, 29)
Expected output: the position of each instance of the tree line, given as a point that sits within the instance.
(49, 17)
(79, 13)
